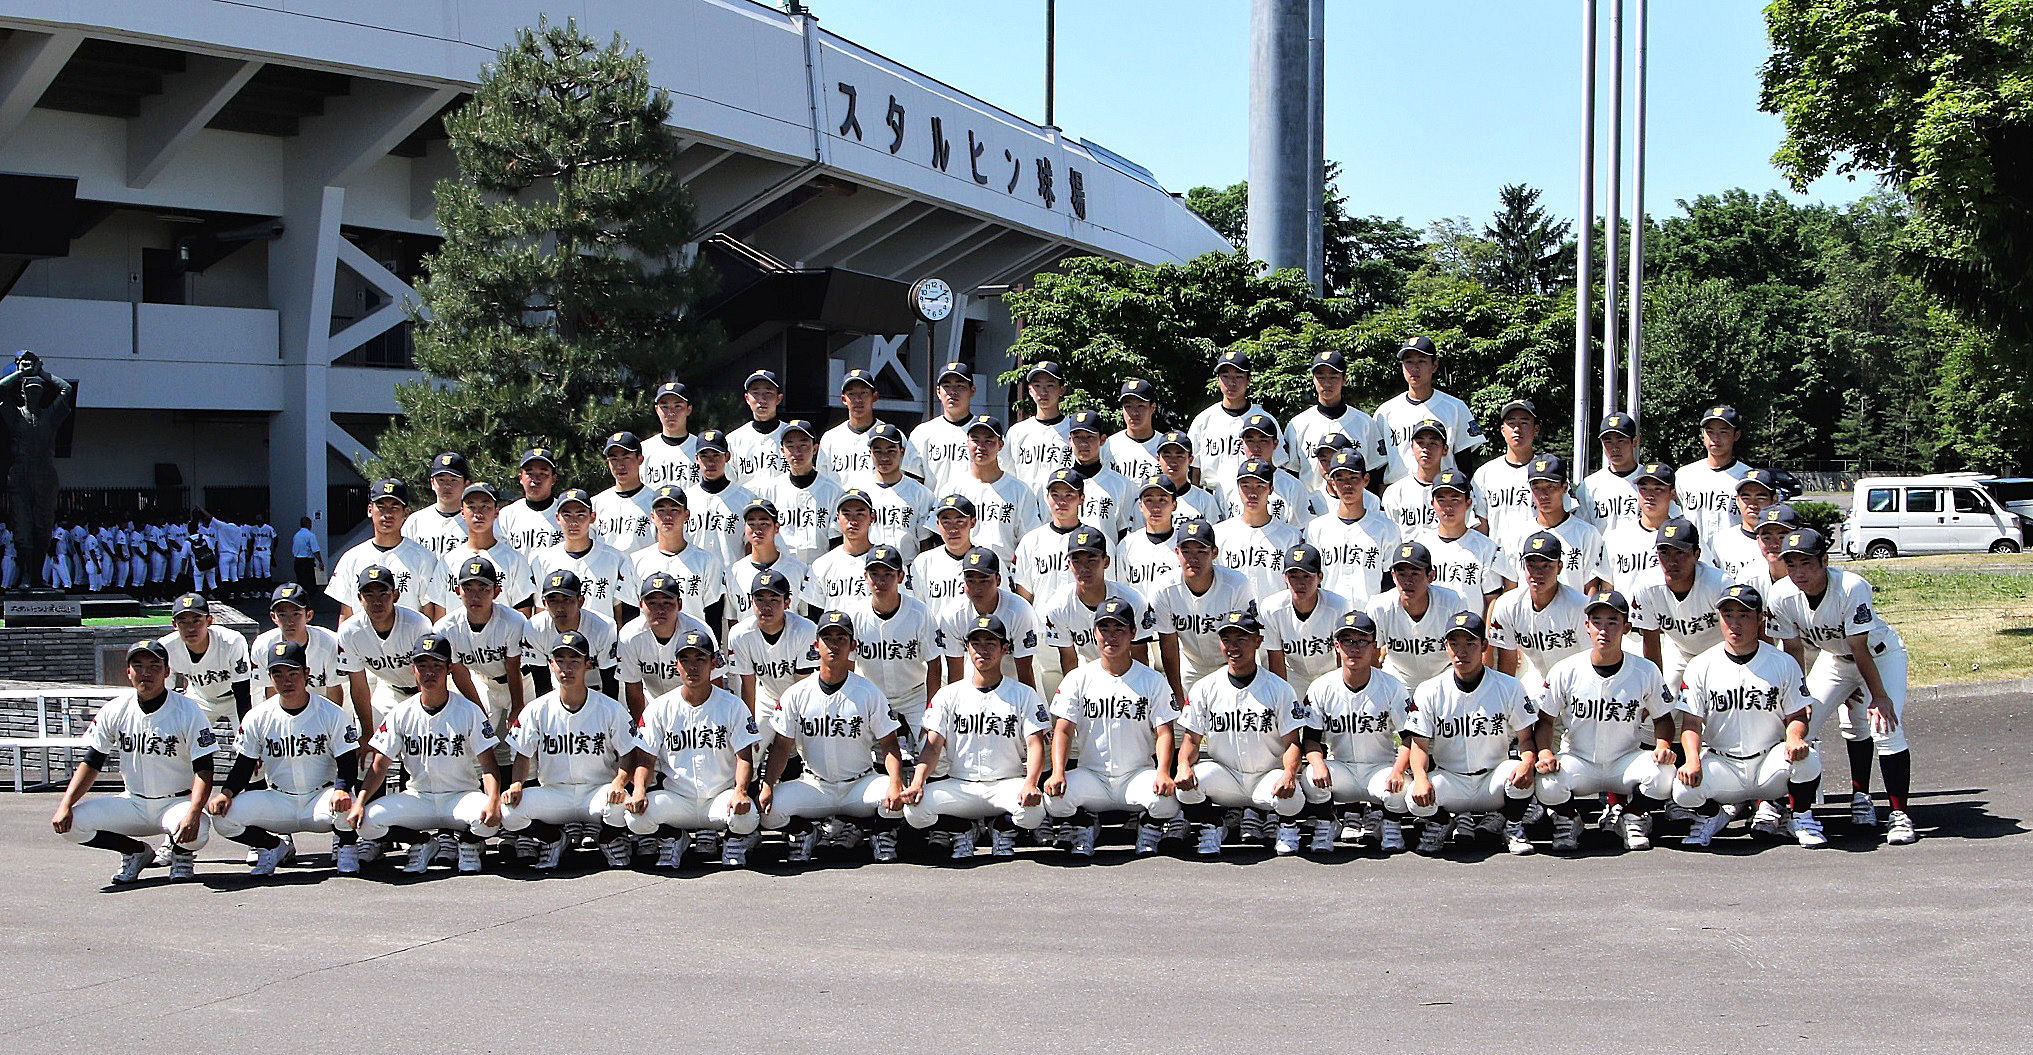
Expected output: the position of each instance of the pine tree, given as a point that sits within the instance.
(1528, 254)
(557, 301)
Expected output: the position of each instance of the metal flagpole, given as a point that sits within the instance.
(1613, 213)
(1634, 360)
(1584, 257)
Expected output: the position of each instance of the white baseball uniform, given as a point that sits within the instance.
(804, 507)
(987, 734)
(299, 756)
(158, 751)
(1133, 458)
(1306, 640)
(1242, 729)
(518, 584)
(436, 530)
(1400, 414)
(643, 658)
(1687, 626)
(1412, 647)
(1359, 729)
(321, 656)
(440, 751)
(1258, 552)
(529, 528)
(696, 747)
(1037, 448)
(669, 461)
(835, 729)
(1845, 609)
(892, 651)
(1709, 496)
(1743, 703)
(1583, 554)
(1542, 637)
(1468, 563)
(621, 519)
(1143, 559)
(605, 574)
(1353, 553)
(716, 523)
(1471, 731)
(741, 582)
(578, 753)
(1217, 440)
(413, 567)
(1606, 737)
(1193, 617)
(384, 658)
(1117, 721)
(208, 677)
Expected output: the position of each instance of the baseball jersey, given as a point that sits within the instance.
(834, 729)
(583, 746)
(1408, 502)
(755, 453)
(1243, 727)
(1471, 730)
(436, 530)
(1583, 553)
(1018, 617)
(804, 507)
(942, 452)
(892, 650)
(414, 568)
(1605, 715)
(741, 579)
(1843, 610)
(1353, 552)
(1468, 563)
(1003, 511)
(715, 523)
(777, 660)
(1037, 447)
(264, 539)
(1133, 458)
(1193, 617)
(838, 579)
(1629, 551)
(1108, 501)
(1542, 637)
(485, 650)
(987, 730)
(1743, 701)
(156, 749)
(899, 514)
(321, 656)
(1606, 498)
(642, 658)
(1413, 649)
(843, 454)
(1041, 565)
(605, 573)
(1307, 641)
(700, 573)
(1708, 496)
(937, 576)
(696, 744)
(529, 528)
(298, 751)
(439, 750)
(1308, 427)
(1503, 497)
(622, 518)
(518, 585)
(1116, 719)
(1736, 552)
(1689, 623)
(1143, 559)
(1069, 621)
(383, 657)
(1359, 726)
(669, 461)
(543, 635)
(1217, 440)
(1193, 503)
(1400, 414)
(1257, 552)
(1289, 500)
(209, 677)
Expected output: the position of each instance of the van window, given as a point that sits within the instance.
(1919, 500)
(1968, 501)
(1882, 500)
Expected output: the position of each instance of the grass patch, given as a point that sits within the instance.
(1959, 626)
(129, 620)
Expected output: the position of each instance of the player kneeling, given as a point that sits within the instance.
(1119, 714)
(991, 732)
(1460, 727)
(1248, 721)
(1610, 705)
(445, 744)
(838, 722)
(702, 740)
(1357, 755)
(572, 748)
(306, 748)
(1745, 731)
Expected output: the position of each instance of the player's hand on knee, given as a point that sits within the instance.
(1055, 785)
(1165, 786)
(616, 795)
(1522, 775)
(512, 795)
(639, 802)
(894, 799)
(490, 815)
(1662, 755)
(1186, 780)
(342, 804)
(1547, 763)
(1030, 796)
(1883, 718)
(1690, 773)
(220, 803)
(1321, 777)
(1422, 792)
(1796, 749)
(1287, 784)
(739, 805)
(765, 799)
(912, 794)
(60, 821)
(187, 829)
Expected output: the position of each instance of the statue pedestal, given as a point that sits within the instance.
(41, 608)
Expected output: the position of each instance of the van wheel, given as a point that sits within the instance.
(1881, 550)
(2004, 545)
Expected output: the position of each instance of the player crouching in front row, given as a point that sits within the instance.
(572, 747)
(991, 732)
(304, 746)
(701, 739)
(1117, 715)
(837, 721)
(1355, 752)
(1461, 725)
(1248, 721)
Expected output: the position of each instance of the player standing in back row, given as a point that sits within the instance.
(1401, 414)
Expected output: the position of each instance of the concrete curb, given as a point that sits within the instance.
(1972, 690)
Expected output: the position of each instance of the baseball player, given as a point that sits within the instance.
(1402, 415)
(837, 579)
(1461, 726)
(518, 585)
(1673, 605)
(376, 646)
(621, 516)
(990, 733)
(1608, 497)
(261, 567)
(1501, 482)
(1300, 621)
(574, 750)
(1004, 508)
(1190, 604)
(771, 649)
(1331, 415)
(200, 555)
(411, 567)
(1408, 500)
(1248, 722)
(605, 573)
(698, 571)
(451, 804)
(754, 449)
(893, 635)
(98, 563)
(564, 608)
(1615, 714)
(1133, 451)
(439, 528)
(1116, 714)
(837, 721)
(304, 746)
(1107, 498)
(672, 455)
(208, 663)
(1068, 614)
(844, 456)
(805, 499)
(1584, 555)
(936, 573)
(700, 741)
(1464, 560)
(942, 441)
(982, 593)
(1217, 431)
(290, 607)
(1354, 752)
(1150, 553)
(759, 522)
(1535, 626)
(164, 744)
(1631, 547)
(1412, 619)
(1290, 501)
(56, 565)
(647, 653)
(1039, 568)
(1042, 444)
(531, 522)
(232, 542)
(488, 639)
(1355, 539)
(1744, 727)
(1253, 541)
(900, 508)
(1859, 671)
(1708, 488)
(1734, 549)
(717, 502)
(1175, 461)
(1774, 524)
(10, 568)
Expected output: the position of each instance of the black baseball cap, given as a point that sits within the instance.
(432, 646)
(388, 488)
(988, 624)
(1543, 544)
(1805, 541)
(985, 421)
(883, 430)
(798, 425)
(1116, 610)
(1069, 477)
(481, 488)
(1724, 413)
(1086, 540)
(1234, 358)
(149, 646)
(763, 375)
(1347, 461)
(857, 376)
(1414, 554)
(1679, 533)
(564, 582)
(669, 493)
(1356, 622)
(374, 575)
(1765, 478)
(695, 641)
(1608, 599)
(1332, 360)
(1175, 438)
(853, 494)
(1239, 619)
(1303, 557)
(575, 642)
(1658, 472)
(286, 654)
(1084, 421)
(713, 440)
(1466, 623)
(1156, 482)
(1518, 404)
(1428, 424)
(1781, 515)
(1261, 423)
(1196, 530)
(538, 454)
(960, 504)
(980, 560)
(627, 441)
(1422, 345)
(574, 494)
(761, 505)
(672, 388)
(1451, 480)
(662, 582)
(1137, 388)
(450, 462)
(479, 569)
(835, 620)
(1254, 469)
(1547, 467)
(887, 556)
(1047, 367)
(770, 580)
(1744, 594)
(190, 602)
(1333, 441)
(955, 369)
(289, 593)
(1617, 422)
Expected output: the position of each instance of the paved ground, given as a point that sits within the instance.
(1747, 948)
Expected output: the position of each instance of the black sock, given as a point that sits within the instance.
(1802, 795)
(114, 841)
(1514, 809)
(258, 838)
(347, 838)
(1640, 804)
(612, 833)
(1861, 752)
(1570, 808)
(1898, 777)
(544, 831)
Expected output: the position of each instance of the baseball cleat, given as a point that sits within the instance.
(802, 845)
(963, 845)
(132, 864)
(1390, 836)
(1323, 837)
(368, 850)
(420, 855)
(1247, 824)
(1176, 827)
(549, 854)
(706, 842)
(1354, 828)
(1210, 839)
(444, 848)
(669, 852)
(1534, 813)
(182, 863)
(1433, 837)
(618, 852)
(1704, 829)
(1863, 813)
(1287, 838)
(1514, 839)
(1148, 836)
(1463, 828)
(1082, 843)
(161, 857)
(254, 858)
(267, 861)
(1807, 830)
(1566, 833)
(883, 845)
(1493, 823)
(1899, 829)
(1637, 831)
(469, 856)
(841, 834)
(733, 852)
(527, 848)
(1002, 842)
(346, 859)
(1770, 820)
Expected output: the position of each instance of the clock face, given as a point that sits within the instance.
(932, 298)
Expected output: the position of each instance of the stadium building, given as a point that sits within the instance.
(214, 210)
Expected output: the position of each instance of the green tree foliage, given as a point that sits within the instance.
(558, 295)
(1365, 259)
(1528, 244)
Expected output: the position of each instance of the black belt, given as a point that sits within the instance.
(1743, 758)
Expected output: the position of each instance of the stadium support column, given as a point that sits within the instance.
(1316, 145)
(1278, 134)
(301, 267)
(1584, 257)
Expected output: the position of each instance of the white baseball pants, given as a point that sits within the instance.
(1470, 792)
(1634, 771)
(1135, 791)
(562, 804)
(1223, 786)
(810, 797)
(426, 812)
(135, 816)
(1838, 688)
(672, 810)
(281, 813)
(974, 800)
(1765, 776)
(1363, 782)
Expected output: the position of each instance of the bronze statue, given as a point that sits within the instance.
(36, 403)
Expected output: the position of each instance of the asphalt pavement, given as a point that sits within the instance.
(1749, 947)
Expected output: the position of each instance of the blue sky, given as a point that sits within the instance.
(1431, 104)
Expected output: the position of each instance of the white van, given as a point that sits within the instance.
(1892, 516)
